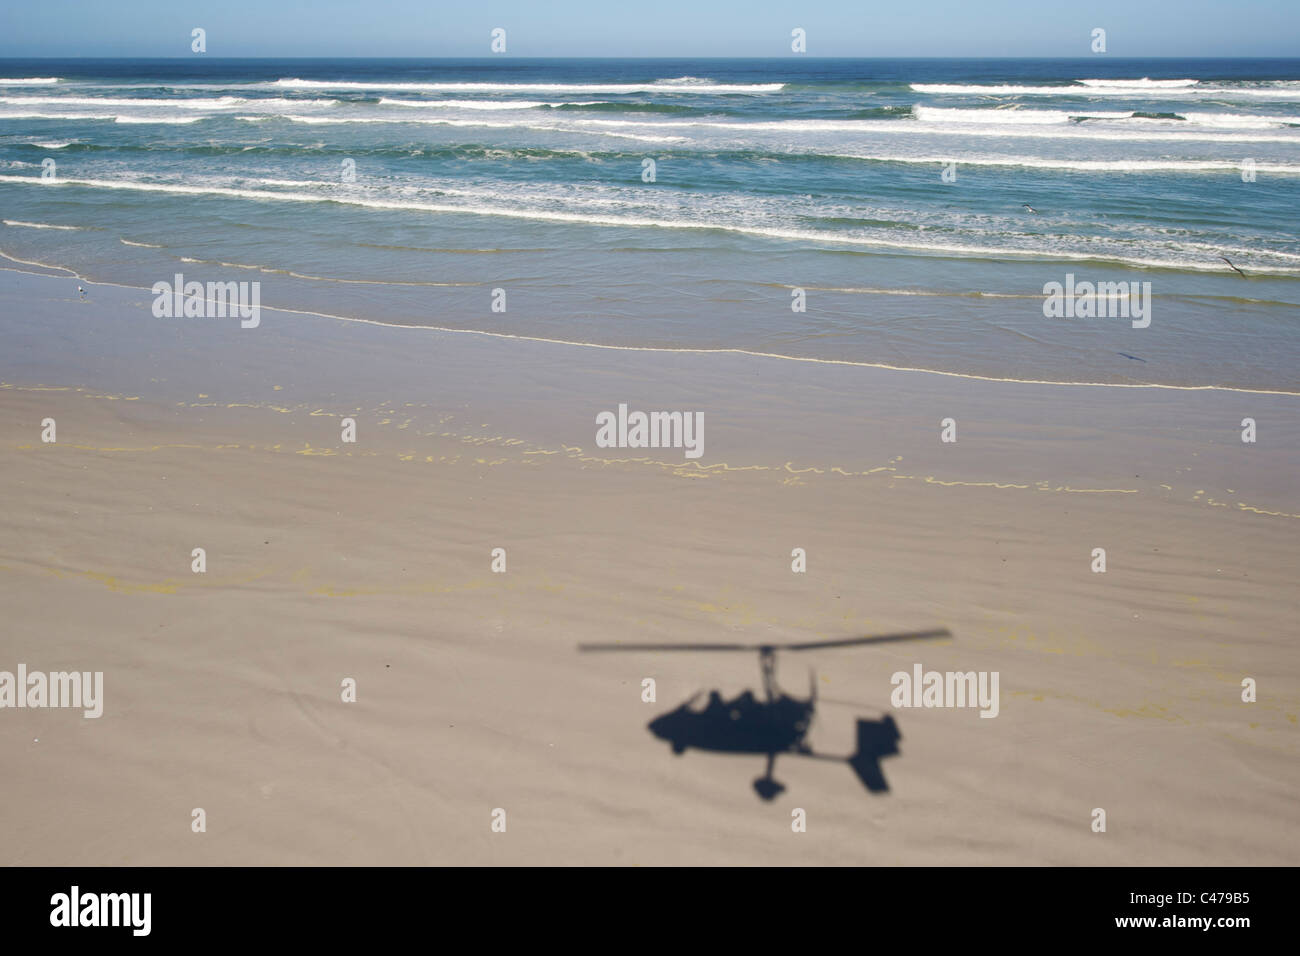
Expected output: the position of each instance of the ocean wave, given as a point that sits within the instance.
(1210, 263)
(1079, 165)
(477, 104)
(1146, 83)
(1128, 89)
(29, 81)
(738, 153)
(39, 225)
(160, 120)
(437, 121)
(655, 86)
(1039, 124)
(296, 183)
(685, 81)
(625, 106)
(222, 102)
(1041, 117)
(217, 104)
(938, 114)
(998, 125)
(113, 117)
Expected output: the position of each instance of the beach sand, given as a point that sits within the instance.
(372, 561)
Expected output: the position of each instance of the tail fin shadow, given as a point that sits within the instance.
(876, 739)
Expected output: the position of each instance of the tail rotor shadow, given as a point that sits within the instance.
(876, 739)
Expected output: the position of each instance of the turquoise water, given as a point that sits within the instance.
(407, 191)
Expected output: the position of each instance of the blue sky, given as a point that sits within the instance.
(688, 28)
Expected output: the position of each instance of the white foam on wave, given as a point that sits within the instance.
(631, 221)
(222, 102)
(39, 225)
(995, 124)
(1080, 165)
(163, 120)
(113, 117)
(1128, 89)
(215, 106)
(1042, 117)
(29, 81)
(673, 86)
(438, 121)
(1041, 124)
(478, 104)
(1100, 133)
(1237, 120)
(296, 183)
(938, 114)
(1146, 83)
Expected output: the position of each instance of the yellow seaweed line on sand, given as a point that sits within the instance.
(104, 396)
(689, 469)
(123, 448)
(326, 590)
(1261, 511)
(1147, 710)
(686, 469)
(166, 586)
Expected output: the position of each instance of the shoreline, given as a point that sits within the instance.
(771, 414)
(72, 274)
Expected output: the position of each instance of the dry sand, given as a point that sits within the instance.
(371, 561)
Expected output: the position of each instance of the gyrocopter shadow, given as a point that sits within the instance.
(777, 724)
